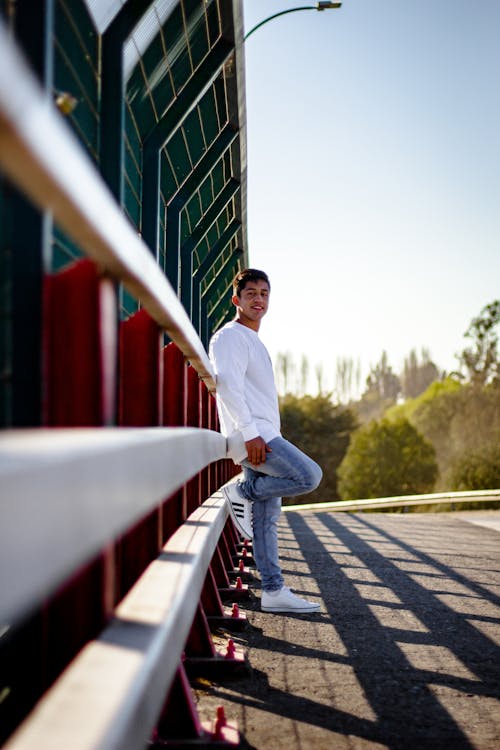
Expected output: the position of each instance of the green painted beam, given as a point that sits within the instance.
(112, 141)
(31, 239)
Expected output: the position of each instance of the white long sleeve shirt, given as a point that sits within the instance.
(247, 401)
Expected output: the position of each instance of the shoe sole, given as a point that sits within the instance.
(290, 610)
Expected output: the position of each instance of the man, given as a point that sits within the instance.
(247, 404)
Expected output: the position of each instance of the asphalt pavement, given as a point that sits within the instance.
(404, 654)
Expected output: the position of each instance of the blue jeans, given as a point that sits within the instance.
(286, 472)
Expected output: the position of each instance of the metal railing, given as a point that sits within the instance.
(114, 477)
(66, 493)
(403, 501)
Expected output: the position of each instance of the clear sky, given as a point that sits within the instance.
(374, 175)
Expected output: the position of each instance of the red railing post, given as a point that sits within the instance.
(139, 406)
(205, 423)
(80, 354)
(174, 386)
(140, 371)
(213, 482)
(174, 415)
(193, 413)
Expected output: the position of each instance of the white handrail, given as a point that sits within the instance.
(43, 158)
(111, 695)
(475, 496)
(66, 493)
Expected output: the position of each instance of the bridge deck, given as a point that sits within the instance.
(405, 653)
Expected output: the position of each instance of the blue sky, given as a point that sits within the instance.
(374, 175)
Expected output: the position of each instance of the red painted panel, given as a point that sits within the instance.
(140, 374)
(174, 386)
(80, 325)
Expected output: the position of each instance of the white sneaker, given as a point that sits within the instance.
(240, 509)
(284, 601)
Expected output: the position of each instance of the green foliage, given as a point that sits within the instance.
(386, 459)
(477, 470)
(459, 422)
(407, 409)
(322, 430)
(371, 406)
(457, 419)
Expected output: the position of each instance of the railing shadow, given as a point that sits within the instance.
(397, 665)
(407, 624)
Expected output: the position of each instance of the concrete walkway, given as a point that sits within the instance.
(405, 654)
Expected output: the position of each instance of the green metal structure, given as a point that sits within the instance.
(154, 92)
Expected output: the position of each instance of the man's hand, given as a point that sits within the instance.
(256, 451)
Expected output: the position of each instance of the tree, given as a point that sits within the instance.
(433, 416)
(382, 389)
(304, 374)
(347, 377)
(386, 459)
(477, 470)
(458, 419)
(320, 375)
(481, 359)
(321, 430)
(382, 380)
(285, 369)
(417, 376)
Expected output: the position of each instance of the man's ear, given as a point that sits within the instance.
(235, 300)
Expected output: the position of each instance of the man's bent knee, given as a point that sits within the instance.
(315, 475)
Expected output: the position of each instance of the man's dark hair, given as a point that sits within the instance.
(248, 274)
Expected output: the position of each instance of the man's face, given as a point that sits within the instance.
(253, 300)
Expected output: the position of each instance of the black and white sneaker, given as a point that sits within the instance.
(240, 509)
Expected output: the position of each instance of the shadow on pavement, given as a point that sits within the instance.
(413, 666)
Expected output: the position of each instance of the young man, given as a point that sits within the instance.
(247, 404)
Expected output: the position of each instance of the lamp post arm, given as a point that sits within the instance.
(281, 13)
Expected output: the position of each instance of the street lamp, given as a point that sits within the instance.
(317, 6)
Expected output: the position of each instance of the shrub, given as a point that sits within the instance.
(479, 470)
(385, 459)
(322, 430)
